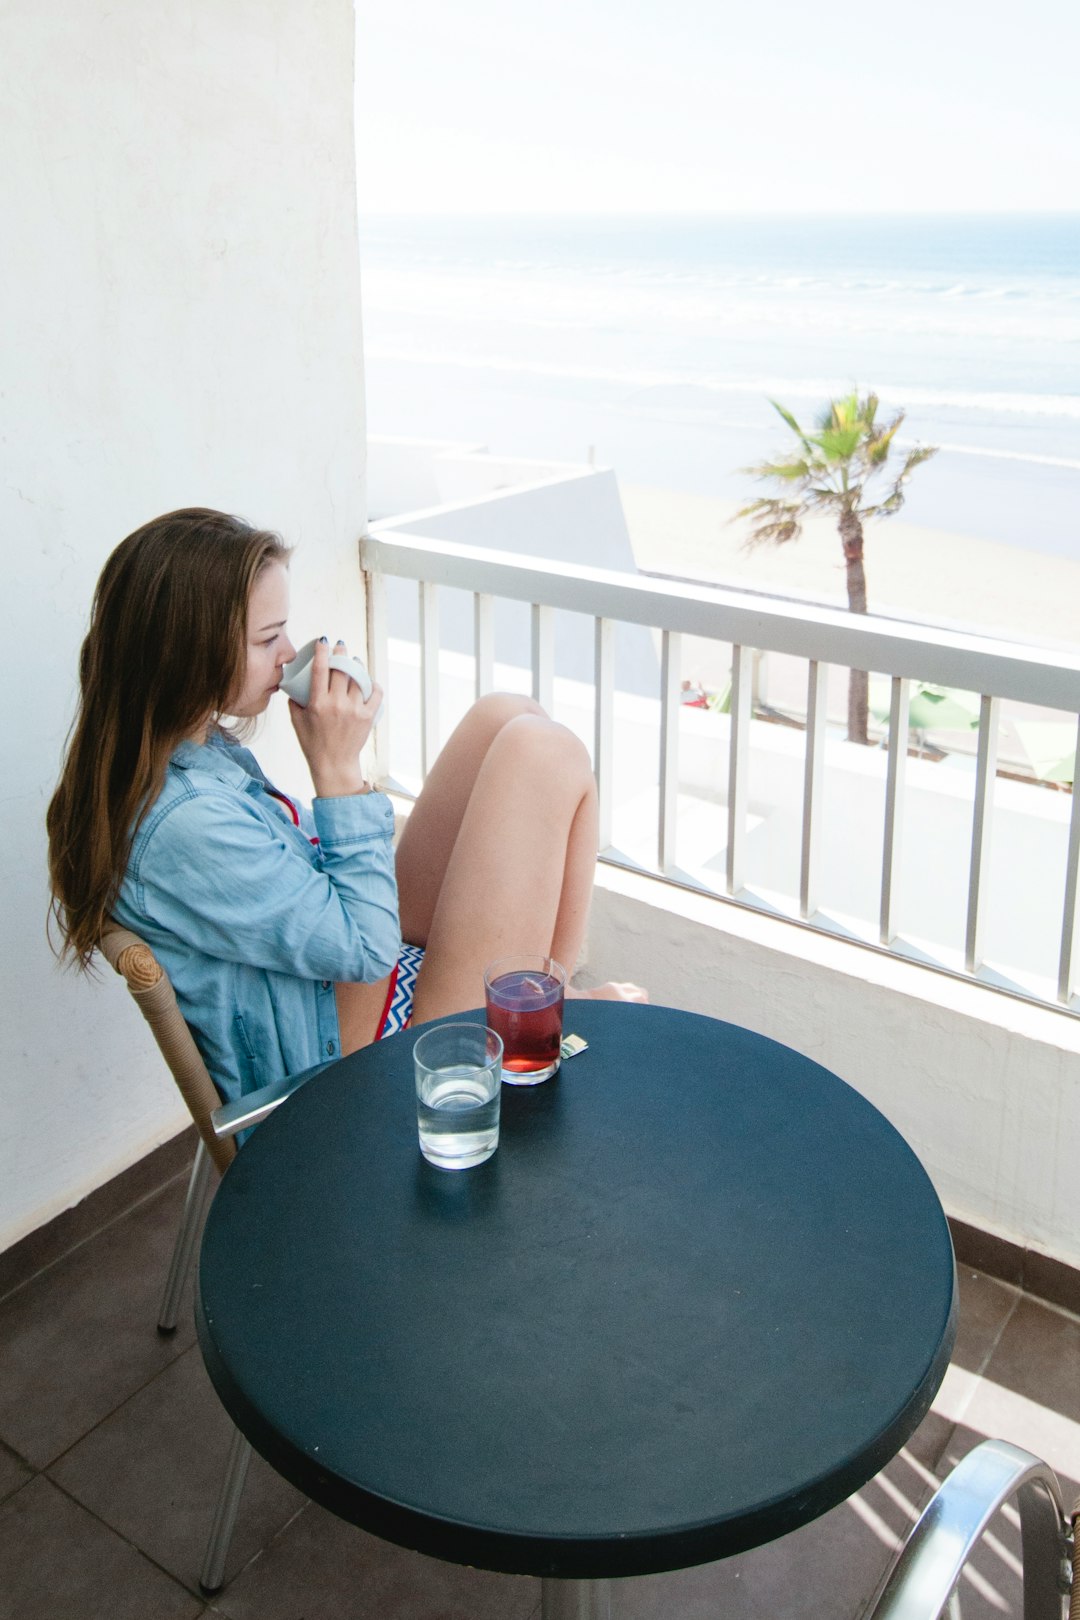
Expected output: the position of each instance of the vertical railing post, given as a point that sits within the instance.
(484, 642)
(738, 767)
(982, 818)
(896, 773)
(670, 705)
(1072, 874)
(543, 656)
(429, 674)
(817, 690)
(604, 725)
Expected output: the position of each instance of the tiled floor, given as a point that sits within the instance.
(112, 1446)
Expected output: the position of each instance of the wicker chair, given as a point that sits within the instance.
(217, 1125)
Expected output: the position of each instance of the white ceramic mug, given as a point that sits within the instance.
(296, 677)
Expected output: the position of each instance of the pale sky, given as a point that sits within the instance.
(625, 106)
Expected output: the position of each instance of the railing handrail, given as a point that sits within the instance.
(945, 657)
(824, 636)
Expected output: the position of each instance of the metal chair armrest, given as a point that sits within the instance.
(248, 1110)
(954, 1520)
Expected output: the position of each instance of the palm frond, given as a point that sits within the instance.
(775, 522)
(848, 452)
(830, 417)
(787, 471)
(892, 503)
(791, 422)
(879, 444)
(839, 443)
(916, 457)
(784, 471)
(824, 499)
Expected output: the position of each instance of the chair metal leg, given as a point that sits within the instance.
(186, 1239)
(228, 1504)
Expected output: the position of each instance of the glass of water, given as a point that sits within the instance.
(458, 1086)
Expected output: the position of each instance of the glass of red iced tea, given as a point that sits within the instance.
(524, 996)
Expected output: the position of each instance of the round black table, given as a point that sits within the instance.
(701, 1294)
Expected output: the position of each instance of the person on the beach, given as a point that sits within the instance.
(282, 929)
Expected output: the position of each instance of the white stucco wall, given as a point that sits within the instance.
(182, 326)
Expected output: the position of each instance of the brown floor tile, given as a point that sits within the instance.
(13, 1472)
(929, 1440)
(57, 1562)
(1038, 1354)
(154, 1468)
(828, 1570)
(79, 1339)
(1030, 1389)
(321, 1568)
(985, 1307)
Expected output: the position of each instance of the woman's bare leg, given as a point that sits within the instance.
(425, 847)
(497, 855)
(430, 833)
(520, 870)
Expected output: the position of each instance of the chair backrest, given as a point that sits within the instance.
(156, 999)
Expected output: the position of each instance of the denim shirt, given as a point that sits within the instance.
(252, 920)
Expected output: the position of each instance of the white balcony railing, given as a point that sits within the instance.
(997, 670)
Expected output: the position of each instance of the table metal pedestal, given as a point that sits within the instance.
(576, 1600)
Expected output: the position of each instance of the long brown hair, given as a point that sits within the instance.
(165, 651)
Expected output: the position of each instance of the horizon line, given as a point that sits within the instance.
(718, 213)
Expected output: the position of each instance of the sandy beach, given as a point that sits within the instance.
(927, 575)
(924, 575)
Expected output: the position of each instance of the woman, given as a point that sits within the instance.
(282, 929)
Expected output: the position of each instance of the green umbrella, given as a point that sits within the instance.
(931, 708)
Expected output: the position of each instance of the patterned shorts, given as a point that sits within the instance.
(399, 1000)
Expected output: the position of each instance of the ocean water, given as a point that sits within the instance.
(659, 341)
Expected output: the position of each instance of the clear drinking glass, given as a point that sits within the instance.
(458, 1086)
(524, 996)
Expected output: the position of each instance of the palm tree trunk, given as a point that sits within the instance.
(851, 535)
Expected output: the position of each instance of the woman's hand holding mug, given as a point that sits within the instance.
(333, 704)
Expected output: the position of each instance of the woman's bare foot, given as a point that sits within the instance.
(608, 992)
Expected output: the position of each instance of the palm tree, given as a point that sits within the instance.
(831, 474)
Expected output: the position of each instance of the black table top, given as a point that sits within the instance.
(702, 1293)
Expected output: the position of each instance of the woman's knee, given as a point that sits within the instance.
(531, 741)
(496, 709)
